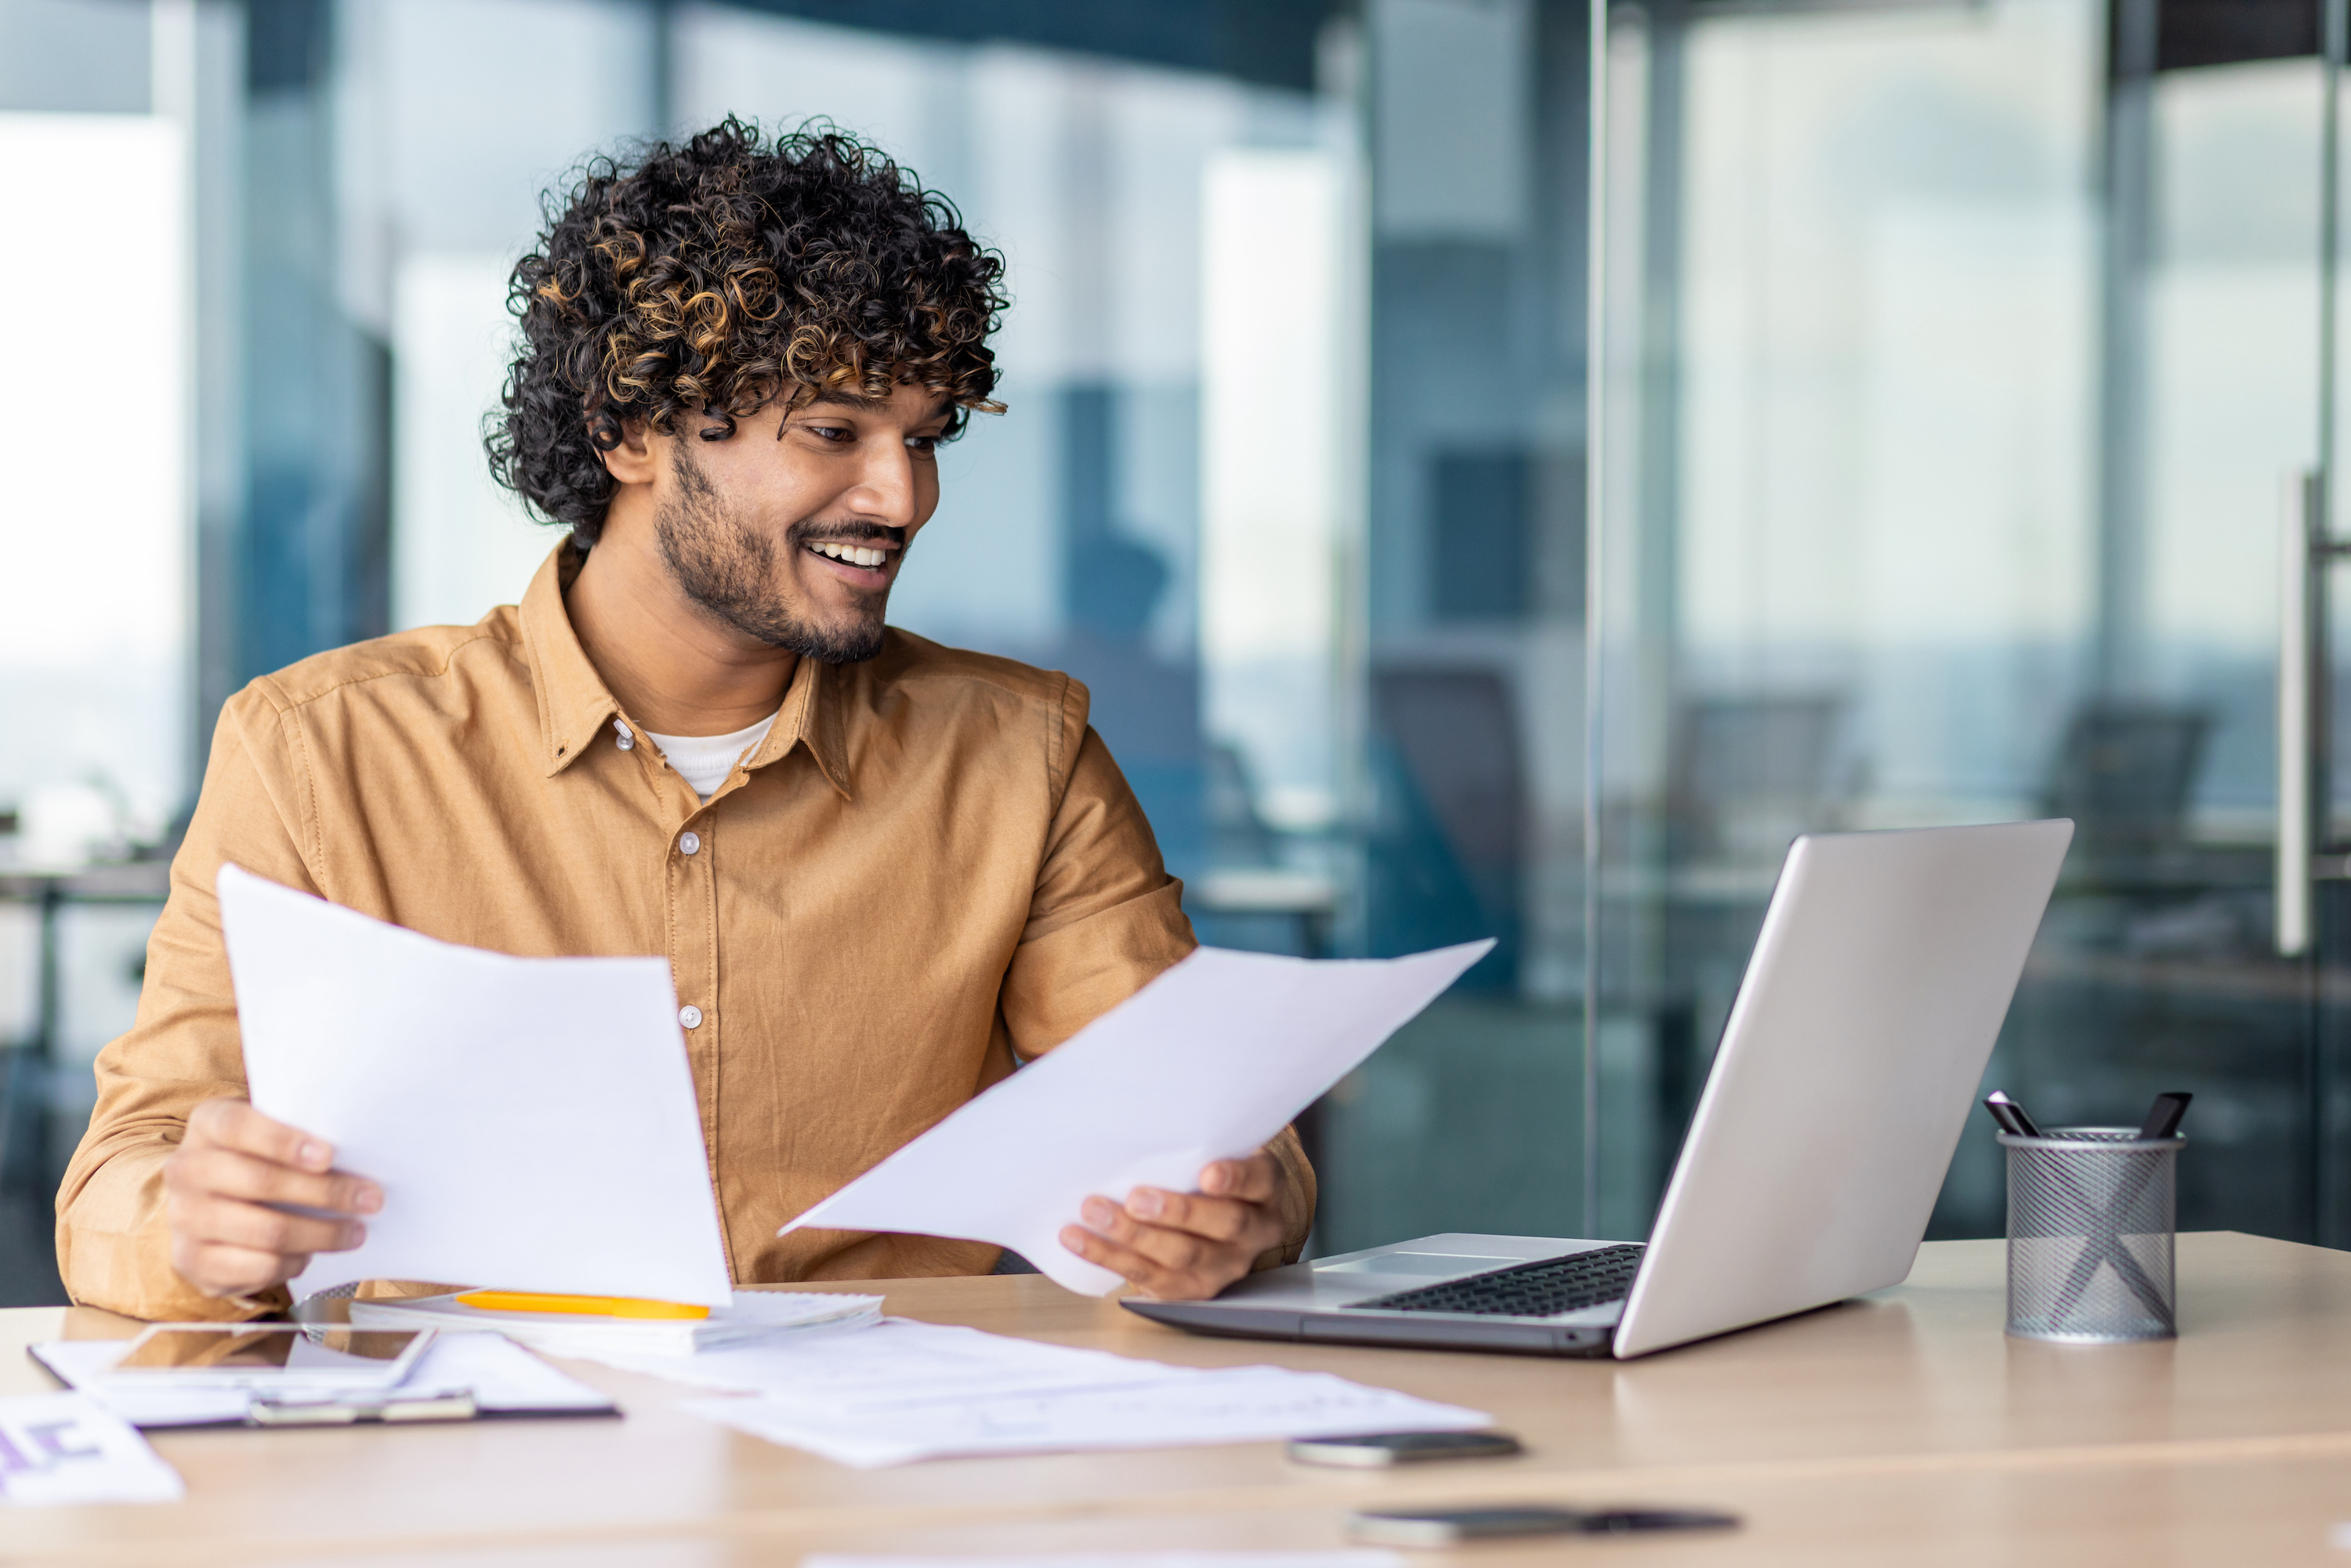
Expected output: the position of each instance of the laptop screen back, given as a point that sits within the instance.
(1852, 1056)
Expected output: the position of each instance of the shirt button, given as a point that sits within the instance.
(621, 736)
(690, 1016)
(689, 843)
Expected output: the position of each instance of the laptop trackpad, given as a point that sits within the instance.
(1417, 1263)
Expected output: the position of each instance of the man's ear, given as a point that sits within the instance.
(632, 462)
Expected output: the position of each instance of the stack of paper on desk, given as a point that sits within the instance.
(902, 1391)
(751, 1315)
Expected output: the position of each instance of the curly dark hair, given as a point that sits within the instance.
(715, 277)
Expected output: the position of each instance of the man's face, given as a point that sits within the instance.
(791, 530)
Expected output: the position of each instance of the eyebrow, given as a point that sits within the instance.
(847, 398)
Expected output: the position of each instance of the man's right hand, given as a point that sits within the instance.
(220, 1185)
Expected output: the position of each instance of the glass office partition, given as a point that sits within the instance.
(1954, 357)
(1470, 813)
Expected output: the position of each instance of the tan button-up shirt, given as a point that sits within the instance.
(929, 867)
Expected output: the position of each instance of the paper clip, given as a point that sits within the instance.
(456, 1404)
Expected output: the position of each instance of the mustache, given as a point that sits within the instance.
(848, 530)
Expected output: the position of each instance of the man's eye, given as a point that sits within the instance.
(923, 445)
(838, 434)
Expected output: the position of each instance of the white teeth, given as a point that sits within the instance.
(852, 555)
(869, 557)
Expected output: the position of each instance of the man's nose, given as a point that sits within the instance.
(884, 492)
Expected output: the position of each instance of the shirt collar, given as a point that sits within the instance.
(811, 717)
(574, 706)
(573, 703)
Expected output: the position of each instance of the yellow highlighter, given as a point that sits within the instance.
(588, 1306)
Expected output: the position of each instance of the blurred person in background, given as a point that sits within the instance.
(884, 871)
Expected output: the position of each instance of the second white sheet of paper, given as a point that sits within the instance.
(532, 1121)
(1207, 1063)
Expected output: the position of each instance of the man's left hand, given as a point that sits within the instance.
(1185, 1247)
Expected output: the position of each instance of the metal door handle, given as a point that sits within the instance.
(2301, 545)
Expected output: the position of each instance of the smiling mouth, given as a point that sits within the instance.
(867, 556)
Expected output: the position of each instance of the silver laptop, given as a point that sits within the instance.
(1846, 1073)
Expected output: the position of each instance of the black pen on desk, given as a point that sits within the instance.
(2009, 1115)
(2163, 1118)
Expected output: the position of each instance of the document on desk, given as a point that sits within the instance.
(63, 1448)
(492, 1096)
(902, 1391)
(1206, 1062)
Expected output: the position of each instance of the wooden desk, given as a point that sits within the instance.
(1904, 1426)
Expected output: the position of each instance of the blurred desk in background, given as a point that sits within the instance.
(1304, 904)
(1900, 1428)
(29, 1162)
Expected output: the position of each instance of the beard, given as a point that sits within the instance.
(733, 572)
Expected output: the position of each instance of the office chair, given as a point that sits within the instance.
(1449, 862)
(1747, 774)
(2126, 773)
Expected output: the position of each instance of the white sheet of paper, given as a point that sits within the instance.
(898, 1362)
(58, 1449)
(1240, 1404)
(1206, 1062)
(533, 1121)
(904, 1390)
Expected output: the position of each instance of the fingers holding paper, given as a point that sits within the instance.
(1182, 1246)
(249, 1201)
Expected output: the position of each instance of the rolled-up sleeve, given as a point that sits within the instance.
(1105, 920)
(113, 1235)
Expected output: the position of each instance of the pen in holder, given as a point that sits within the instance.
(2091, 1212)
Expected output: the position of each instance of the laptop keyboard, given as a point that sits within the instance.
(1538, 1290)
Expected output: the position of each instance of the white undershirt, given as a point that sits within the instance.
(706, 760)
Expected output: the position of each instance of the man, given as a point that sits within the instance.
(883, 870)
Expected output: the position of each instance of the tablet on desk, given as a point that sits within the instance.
(277, 1357)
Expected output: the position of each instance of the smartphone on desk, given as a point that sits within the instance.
(1379, 1450)
(278, 1357)
(1452, 1526)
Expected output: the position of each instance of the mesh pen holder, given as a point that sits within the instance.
(2090, 1216)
